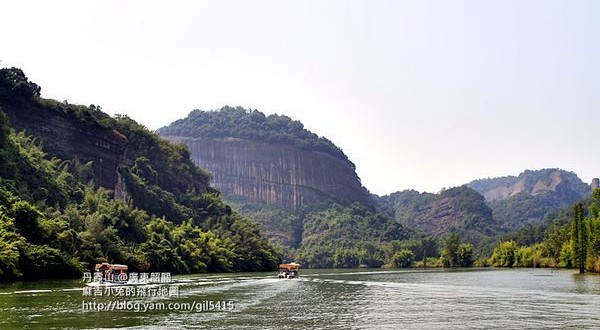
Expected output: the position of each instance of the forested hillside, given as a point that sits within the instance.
(55, 221)
(460, 209)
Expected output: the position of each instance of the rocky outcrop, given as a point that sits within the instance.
(565, 184)
(595, 184)
(275, 174)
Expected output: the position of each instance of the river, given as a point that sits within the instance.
(319, 299)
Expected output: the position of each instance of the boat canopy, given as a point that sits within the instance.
(107, 266)
(291, 267)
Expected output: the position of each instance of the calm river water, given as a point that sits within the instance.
(320, 299)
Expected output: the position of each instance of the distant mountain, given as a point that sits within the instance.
(486, 209)
(527, 198)
(459, 209)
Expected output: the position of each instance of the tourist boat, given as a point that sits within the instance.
(107, 274)
(290, 270)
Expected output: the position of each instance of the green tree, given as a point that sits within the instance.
(565, 258)
(403, 258)
(345, 259)
(465, 255)
(450, 245)
(11, 243)
(555, 241)
(593, 263)
(429, 247)
(504, 254)
(579, 237)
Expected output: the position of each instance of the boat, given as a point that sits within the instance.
(289, 271)
(106, 274)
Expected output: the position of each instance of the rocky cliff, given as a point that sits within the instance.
(104, 147)
(267, 160)
(61, 132)
(274, 173)
(69, 131)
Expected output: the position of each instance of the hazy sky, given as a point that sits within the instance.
(419, 94)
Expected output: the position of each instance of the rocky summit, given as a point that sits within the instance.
(267, 160)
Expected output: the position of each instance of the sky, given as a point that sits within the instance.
(420, 95)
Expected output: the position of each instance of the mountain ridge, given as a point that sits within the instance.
(253, 125)
(513, 202)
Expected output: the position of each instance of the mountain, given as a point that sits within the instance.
(78, 187)
(267, 160)
(300, 188)
(460, 209)
(529, 197)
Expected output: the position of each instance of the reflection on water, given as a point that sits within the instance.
(332, 299)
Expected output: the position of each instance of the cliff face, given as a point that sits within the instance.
(274, 174)
(66, 138)
(65, 130)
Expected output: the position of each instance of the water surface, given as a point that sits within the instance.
(324, 299)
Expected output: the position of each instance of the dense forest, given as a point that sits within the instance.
(55, 221)
(252, 125)
(330, 234)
